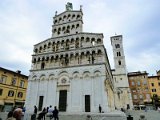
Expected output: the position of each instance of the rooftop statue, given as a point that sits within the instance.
(69, 6)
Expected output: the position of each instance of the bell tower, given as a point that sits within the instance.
(119, 61)
(121, 85)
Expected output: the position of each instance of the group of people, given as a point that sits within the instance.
(49, 112)
(15, 114)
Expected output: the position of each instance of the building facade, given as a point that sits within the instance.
(70, 70)
(139, 86)
(154, 84)
(123, 97)
(13, 87)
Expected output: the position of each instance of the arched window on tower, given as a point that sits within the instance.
(117, 45)
(39, 59)
(68, 29)
(78, 16)
(119, 62)
(77, 43)
(34, 60)
(73, 16)
(35, 50)
(40, 49)
(49, 45)
(77, 25)
(73, 26)
(55, 21)
(52, 58)
(93, 41)
(64, 17)
(42, 65)
(118, 53)
(99, 52)
(99, 41)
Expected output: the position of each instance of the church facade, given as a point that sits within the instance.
(71, 69)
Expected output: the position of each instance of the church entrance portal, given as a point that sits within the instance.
(87, 103)
(62, 100)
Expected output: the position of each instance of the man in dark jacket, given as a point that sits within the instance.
(55, 113)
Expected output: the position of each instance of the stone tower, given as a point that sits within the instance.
(121, 85)
(70, 70)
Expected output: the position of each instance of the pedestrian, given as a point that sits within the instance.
(158, 109)
(47, 109)
(50, 112)
(35, 110)
(24, 109)
(41, 115)
(100, 108)
(145, 109)
(33, 116)
(17, 114)
(44, 111)
(55, 113)
(122, 109)
(10, 116)
(128, 107)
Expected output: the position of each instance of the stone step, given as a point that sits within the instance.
(80, 116)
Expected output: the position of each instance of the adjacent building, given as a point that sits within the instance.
(71, 69)
(139, 86)
(13, 87)
(154, 84)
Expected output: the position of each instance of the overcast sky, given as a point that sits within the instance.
(24, 23)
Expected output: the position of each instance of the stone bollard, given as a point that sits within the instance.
(142, 117)
(129, 117)
(33, 117)
(88, 117)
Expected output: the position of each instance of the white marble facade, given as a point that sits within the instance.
(81, 81)
(72, 63)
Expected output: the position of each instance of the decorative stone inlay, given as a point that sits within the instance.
(63, 81)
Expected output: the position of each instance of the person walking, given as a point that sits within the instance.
(41, 115)
(35, 110)
(55, 113)
(33, 116)
(100, 108)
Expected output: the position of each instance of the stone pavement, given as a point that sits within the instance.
(150, 115)
(117, 115)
